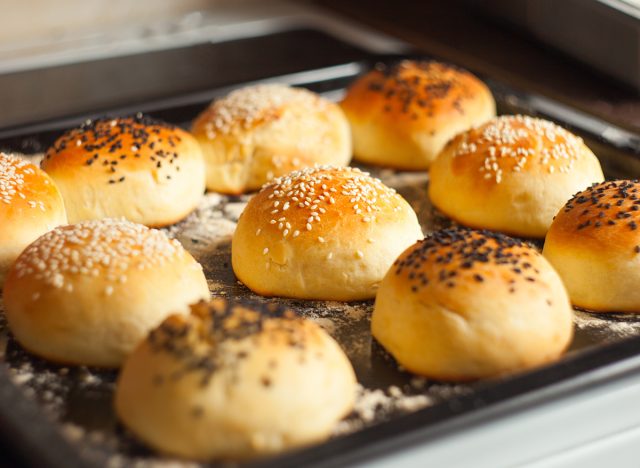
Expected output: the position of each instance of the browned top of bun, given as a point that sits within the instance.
(464, 259)
(310, 202)
(414, 92)
(117, 146)
(516, 143)
(604, 216)
(24, 189)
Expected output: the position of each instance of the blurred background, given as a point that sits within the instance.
(583, 52)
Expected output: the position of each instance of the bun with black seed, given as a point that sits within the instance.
(511, 174)
(234, 381)
(138, 168)
(401, 116)
(463, 305)
(594, 244)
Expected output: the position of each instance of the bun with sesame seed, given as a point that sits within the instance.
(141, 169)
(234, 381)
(594, 243)
(30, 205)
(322, 233)
(260, 132)
(511, 174)
(401, 116)
(463, 305)
(87, 293)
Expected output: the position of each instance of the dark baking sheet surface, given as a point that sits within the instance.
(62, 416)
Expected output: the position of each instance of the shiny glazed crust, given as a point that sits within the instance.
(512, 175)
(402, 116)
(322, 233)
(594, 243)
(137, 168)
(464, 305)
(30, 205)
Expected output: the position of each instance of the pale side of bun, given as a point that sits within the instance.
(322, 233)
(465, 305)
(402, 116)
(512, 174)
(260, 132)
(88, 293)
(141, 169)
(234, 381)
(594, 244)
(30, 205)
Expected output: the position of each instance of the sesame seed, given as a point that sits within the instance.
(244, 107)
(106, 248)
(509, 142)
(12, 180)
(309, 186)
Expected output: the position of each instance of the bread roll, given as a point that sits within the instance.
(234, 381)
(30, 205)
(322, 233)
(88, 293)
(512, 174)
(137, 168)
(465, 305)
(401, 116)
(594, 244)
(260, 132)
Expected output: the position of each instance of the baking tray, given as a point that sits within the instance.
(63, 416)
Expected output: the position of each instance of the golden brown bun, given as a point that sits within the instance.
(261, 132)
(512, 174)
(322, 233)
(594, 244)
(88, 293)
(234, 381)
(137, 168)
(464, 305)
(402, 116)
(30, 205)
